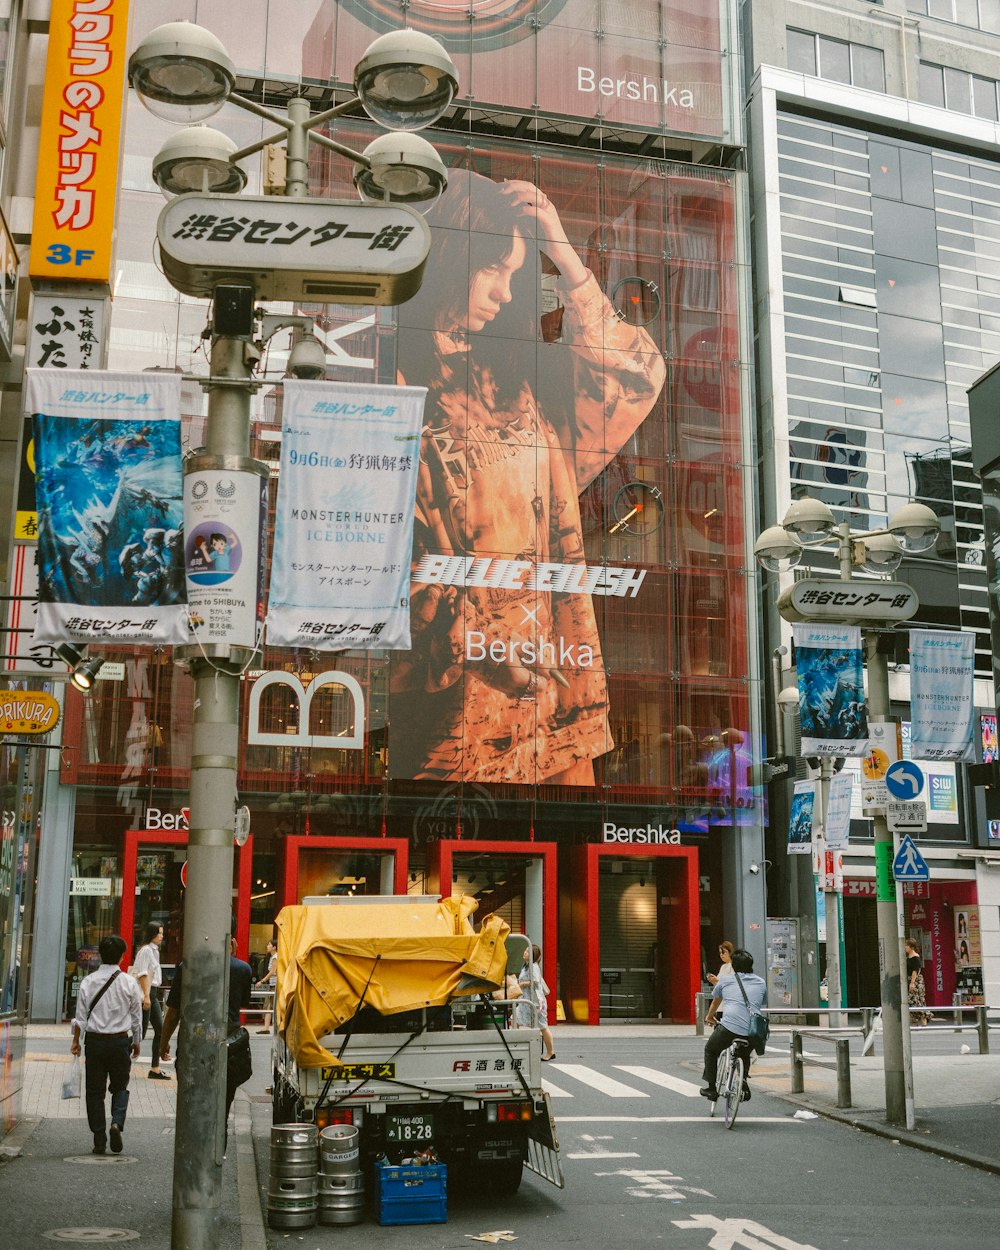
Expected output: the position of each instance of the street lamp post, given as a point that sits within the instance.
(913, 529)
(405, 80)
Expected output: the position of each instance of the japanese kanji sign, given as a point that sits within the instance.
(65, 332)
(79, 143)
(329, 251)
(343, 533)
(826, 599)
(941, 687)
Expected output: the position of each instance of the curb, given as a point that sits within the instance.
(18, 1137)
(900, 1135)
(253, 1235)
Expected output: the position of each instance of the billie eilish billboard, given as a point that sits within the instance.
(578, 600)
(656, 65)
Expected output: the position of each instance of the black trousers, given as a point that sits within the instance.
(153, 1015)
(109, 1063)
(720, 1040)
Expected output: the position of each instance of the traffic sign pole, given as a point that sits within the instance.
(907, 1041)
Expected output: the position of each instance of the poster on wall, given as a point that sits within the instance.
(942, 700)
(654, 64)
(832, 712)
(110, 517)
(350, 456)
(805, 810)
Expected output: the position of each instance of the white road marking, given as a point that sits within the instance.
(555, 1091)
(604, 1154)
(655, 1077)
(657, 1183)
(740, 1232)
(597, 1080)
(673, 1119)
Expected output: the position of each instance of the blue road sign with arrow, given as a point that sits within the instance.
(904, 779)
(909, 864)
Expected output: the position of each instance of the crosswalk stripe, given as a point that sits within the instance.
(678, 1119)
(597, 1080)
(655, 1077)
(555, 1091)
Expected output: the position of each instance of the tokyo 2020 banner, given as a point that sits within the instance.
(110, 513)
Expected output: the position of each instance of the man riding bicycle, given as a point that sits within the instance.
(737, 1016)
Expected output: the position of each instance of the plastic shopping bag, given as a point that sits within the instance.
(73, 1080)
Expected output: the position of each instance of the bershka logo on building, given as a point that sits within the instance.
(157, 819)
(648, 835)
(649, 90)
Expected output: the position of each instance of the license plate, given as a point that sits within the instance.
(409, 1128)
(360, 1072)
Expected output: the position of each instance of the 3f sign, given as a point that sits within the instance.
(346, 741)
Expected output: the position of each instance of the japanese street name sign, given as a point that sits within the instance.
(848, 602)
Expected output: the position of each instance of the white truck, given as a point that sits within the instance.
(384, 1018)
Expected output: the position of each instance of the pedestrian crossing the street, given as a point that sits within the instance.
(611, 1086)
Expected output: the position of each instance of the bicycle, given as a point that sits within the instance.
(734, 1063)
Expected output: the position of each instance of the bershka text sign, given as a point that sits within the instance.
(156, 818)
(79, 143)
(641, 835)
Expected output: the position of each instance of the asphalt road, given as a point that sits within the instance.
(644, 1163)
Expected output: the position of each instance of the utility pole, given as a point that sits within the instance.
(831, 898)
(885, 905)
(208, 902)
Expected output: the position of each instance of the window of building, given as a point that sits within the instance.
(834, 59)
(977, 14)
(958, 90)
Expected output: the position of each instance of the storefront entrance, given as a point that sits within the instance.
(154, 875)
(630, 931)
(515, 880)
(320, 867)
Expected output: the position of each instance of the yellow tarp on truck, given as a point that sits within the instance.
(392, 956)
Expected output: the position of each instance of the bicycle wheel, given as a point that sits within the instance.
(734, 1090)
(721, 1076)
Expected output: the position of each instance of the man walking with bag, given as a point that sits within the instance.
(742, 996)
(109, 1015)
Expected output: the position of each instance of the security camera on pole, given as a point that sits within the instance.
(873, 605)
(323, 250)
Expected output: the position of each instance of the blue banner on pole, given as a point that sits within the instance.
(942, 710)
(110, 516)
(830, 670)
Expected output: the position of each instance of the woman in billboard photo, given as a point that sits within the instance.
(505, 678)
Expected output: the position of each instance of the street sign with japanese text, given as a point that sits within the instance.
(326, 251)
(848, 602)
(906, 817)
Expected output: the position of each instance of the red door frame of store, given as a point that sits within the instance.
(583, 982)
(440, 860)
(400, 848)
(159, 837)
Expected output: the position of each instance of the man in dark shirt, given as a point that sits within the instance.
(240, 987)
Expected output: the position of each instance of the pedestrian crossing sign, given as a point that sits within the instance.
(909, 864)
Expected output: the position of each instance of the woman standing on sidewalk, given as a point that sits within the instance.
(147, 972)
(270, 979)
(917, 991)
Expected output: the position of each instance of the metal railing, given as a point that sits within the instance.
(799, 1060)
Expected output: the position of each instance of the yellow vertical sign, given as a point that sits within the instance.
(80, 142)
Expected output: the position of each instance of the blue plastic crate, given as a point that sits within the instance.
(407, 1194)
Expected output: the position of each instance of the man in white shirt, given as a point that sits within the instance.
(109, 1014)
(147, 972)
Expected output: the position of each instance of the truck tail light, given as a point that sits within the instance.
(513, 1112)
(334, 1115)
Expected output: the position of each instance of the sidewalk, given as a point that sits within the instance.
(956, 1098)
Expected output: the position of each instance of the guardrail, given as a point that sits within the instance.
(799, 1061)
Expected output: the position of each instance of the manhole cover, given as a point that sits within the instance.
(91, 1236)
(101, 1160)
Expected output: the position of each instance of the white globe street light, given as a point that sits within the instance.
(777, 550)
(182, 72)
(198, 158)
(406, 80)
(810, 520)
(916, 526)
(403, 168)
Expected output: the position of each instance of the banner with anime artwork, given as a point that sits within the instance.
(343, 534)
(110, 512)
(941, 694)
(832, 714)
(804, 815)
